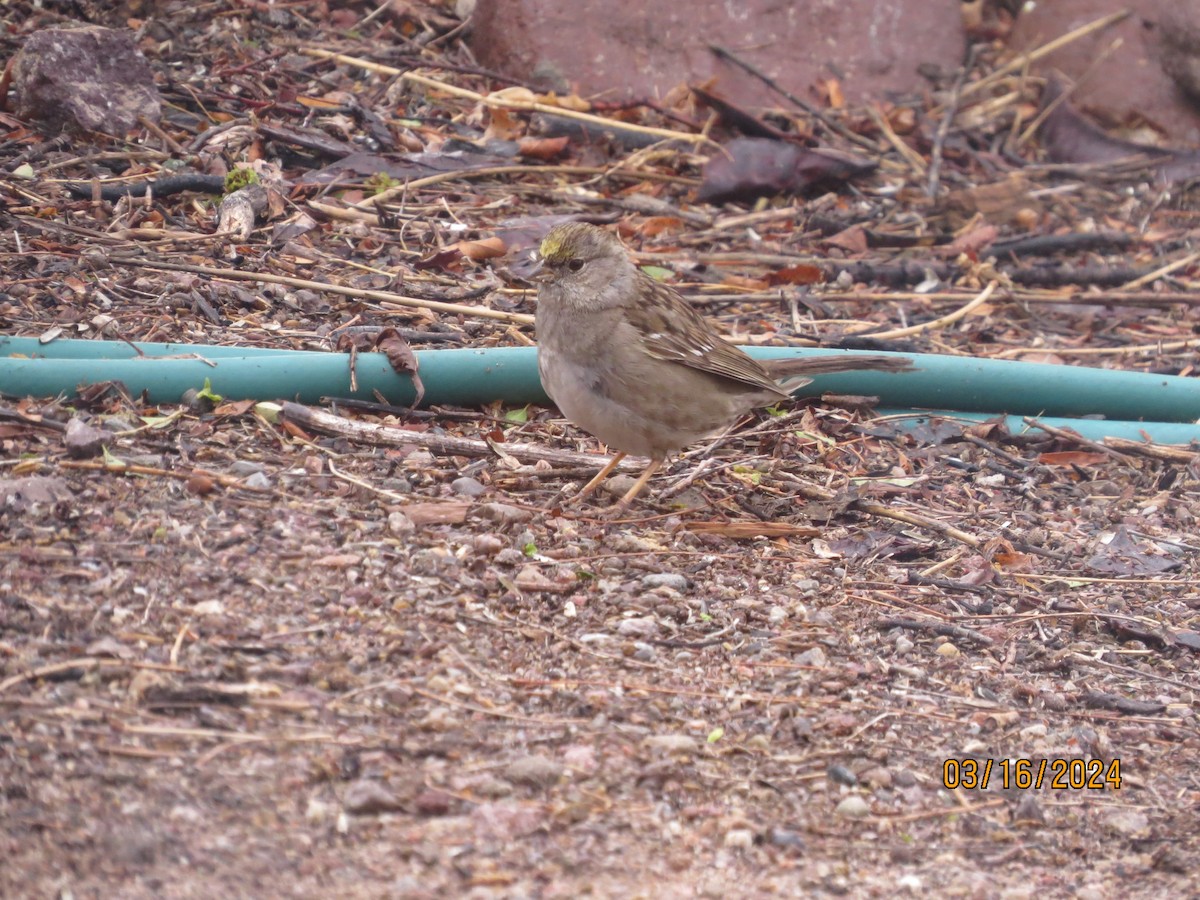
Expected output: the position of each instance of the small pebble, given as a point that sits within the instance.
(641, 626)
(784, 837)
(493, 788)
(532, 578)
(399, 524)
(853, 807)
(487, 544)
(208, 608)
(503, 513)
(841, 775)
(1029, 811)
(468, 487)
(317, 811)
(643, 652)
(877, 777)
(83, 441)
(911, 883)
(257, 481)
(433, 803)
(243, 468)
(665, 579)
(813, 656)
(739, 838)
(671, 743)
(535, 771)
(367, 796)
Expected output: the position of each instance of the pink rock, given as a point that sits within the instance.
(628, 49)
(84, 79)
(1145, 78)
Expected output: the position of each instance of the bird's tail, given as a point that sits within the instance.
(791, 373)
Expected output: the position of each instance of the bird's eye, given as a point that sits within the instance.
(575, 265)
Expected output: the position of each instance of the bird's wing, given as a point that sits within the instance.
(671, 330)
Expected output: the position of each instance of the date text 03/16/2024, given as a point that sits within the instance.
(1032, 774)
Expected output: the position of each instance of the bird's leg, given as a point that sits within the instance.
(600, 476)
(655, 465)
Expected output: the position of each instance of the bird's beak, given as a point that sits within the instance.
(531, 267)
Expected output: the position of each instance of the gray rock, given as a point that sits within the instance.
(785, 837)
(643, 652)
(243, 468)
(637, 627)
(398, 524)
(487, 544)
(258, 481)
(841, 775)
(813, 656)
(84, 79)
(665, 579)
(367, 797)
(503, 513)
(20, 494)
(468, 487)
(877, 777)
(510, 556)
(671, 743)
(83, 441)
(534, 771)
(853, 807)
(493, 788)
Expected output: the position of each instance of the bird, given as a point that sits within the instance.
(627, 359)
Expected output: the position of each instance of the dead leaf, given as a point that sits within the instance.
(572, 102)
(1012, 561)
(853, 240)
(542, 147)
(1072, 458)
(656, 225)
(448, 259)
(973, 242)
(401, 358)
(234, 408)
(1002, 202)
(503, 125)
(743, 283)
(801, 274)
(1042, 356)
(902, 119)
(736, 118)
(833, 90)
(750, 168)
(488, 248)
(200, 484)
(1070, 138)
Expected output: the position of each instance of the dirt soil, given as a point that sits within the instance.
(241, 658)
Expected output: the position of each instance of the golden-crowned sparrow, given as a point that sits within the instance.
(628, 359)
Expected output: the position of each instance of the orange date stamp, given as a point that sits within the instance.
(1056, 773)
